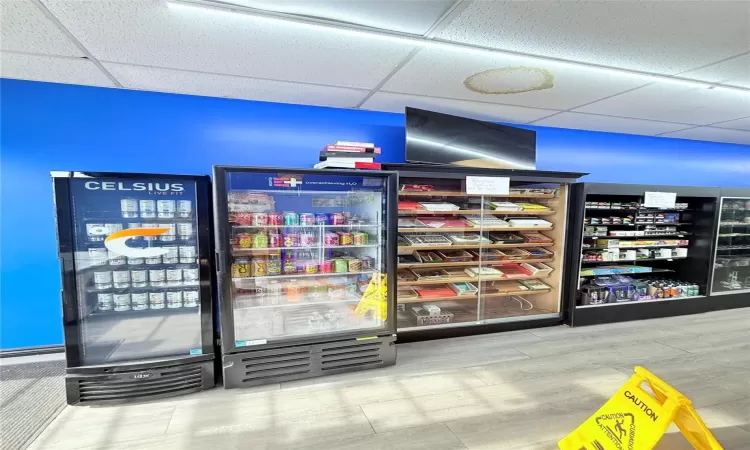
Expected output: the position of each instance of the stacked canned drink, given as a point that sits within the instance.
(151, 209)
(149, 299)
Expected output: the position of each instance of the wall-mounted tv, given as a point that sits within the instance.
(435, 138)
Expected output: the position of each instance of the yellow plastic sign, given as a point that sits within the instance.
(375, 298)
(636, 419)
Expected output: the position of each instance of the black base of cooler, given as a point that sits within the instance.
(132, 382)
(258, 367)
(417, 335)
(654, 310)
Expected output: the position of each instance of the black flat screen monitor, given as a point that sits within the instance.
(436, 138)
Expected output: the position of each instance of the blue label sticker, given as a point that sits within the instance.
(239, 344)
(196, 351)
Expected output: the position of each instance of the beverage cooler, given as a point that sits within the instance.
(135, 252)
(299, 252)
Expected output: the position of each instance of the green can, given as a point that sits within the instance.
(260, 240)
(340, 265)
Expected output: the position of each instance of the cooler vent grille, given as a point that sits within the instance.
(269, 367)
(350, 356)
(119, 386)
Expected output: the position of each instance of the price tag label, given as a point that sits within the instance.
(662, 200)
(488, 185)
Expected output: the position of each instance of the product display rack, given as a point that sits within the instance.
(468, 264)
(136, 261)
(298, 249)
(637, 262)
(730, 281)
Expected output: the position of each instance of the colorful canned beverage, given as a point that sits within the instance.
(121, 278)
(260, 267)
(260, 219)
(105, 302)
(275, 218)
(291, 218)
(129, 207)
(245, 240)
(171, 232)
(290, 266)
(139, 278)
(165, 209)
(327, 266)
(155, 300)
(147, 208)
(241, 268)
(157, 277)
(332, 239)
(153, 260)
(137, 261)
(355, 265)
(359, 238)
(260, 240)
(191, 276)
(338, 219)
(174, 299)
(96, 232)
(122, 298)
(321, 219)
(274, 265)
(185, 230)
(187, 254)
(174, 277)
(275, 240)
(172, 255)
(116, 259)
(291, 240)
(307, 239)
(340, 265)
(98, 255)
(366, 263)
(190, 298)
(311, 267)
(139, 301)
(306, 219)
(184, 209)
(123, 303)
(103, 280)
(346, 238)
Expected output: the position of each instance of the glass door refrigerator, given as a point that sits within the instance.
(306, 272)
(135, 253)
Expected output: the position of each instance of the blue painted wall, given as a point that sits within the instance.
(48, 126)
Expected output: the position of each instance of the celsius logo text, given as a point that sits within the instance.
(117, 242)
(137, 186)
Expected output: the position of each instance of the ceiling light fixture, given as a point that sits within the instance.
(420, 41)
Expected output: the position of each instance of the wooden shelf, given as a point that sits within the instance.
(448, 230)
(466, 279)
(473, 296)
(471, 263)
(411, 248)
(545, 212)
(463, 194)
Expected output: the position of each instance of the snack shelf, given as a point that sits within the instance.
(640, 301)
(473, 246)
(463, 194)
(305, 302)
(634, 260)
(473, 296)
(302, 275)
(467, 279)
(350, 225)
(544, 212)
(679, 235)
(472, 263)
(252, 251)
(628, 273)
(444, 230)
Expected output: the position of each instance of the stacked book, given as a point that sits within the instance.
(349, 155)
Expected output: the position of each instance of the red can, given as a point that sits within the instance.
(338, 219)
(275, 219)
(327, 266)
(291, 240)
(275, 240)
(306, 219)
(260, 219)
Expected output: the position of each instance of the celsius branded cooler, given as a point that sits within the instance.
(135, 253)
(304, 260)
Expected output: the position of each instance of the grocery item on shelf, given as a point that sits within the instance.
(464, 288)
(507, 238)
(486, 220)
(442, 222)
(408, 204)
(468, 239)
(622, 288)
(525, 222)
(439, 206)
(427, 240)
(482, 271)
(533, 207)
(505, 206)
(535, 285)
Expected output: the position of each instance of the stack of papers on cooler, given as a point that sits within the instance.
(349, 155)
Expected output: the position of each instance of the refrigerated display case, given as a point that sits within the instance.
(731, 271)
(299, 252)
(135, 253)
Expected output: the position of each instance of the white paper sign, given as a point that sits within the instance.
(663, 200)
(488, 185)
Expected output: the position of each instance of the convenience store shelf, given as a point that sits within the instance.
(467, 247)
(466, 279)
(253, 251)
(473, 296)
(302, 275)
(448, 230)
(652, 271)
(639, 302)
(352, 225)
(471, 263)
(544, 212)
(463, 194)
(646, 236)
(634, 260)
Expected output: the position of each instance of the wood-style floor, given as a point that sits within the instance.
(520, 390)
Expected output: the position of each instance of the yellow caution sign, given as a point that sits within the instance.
(636, 419)
(375, 298)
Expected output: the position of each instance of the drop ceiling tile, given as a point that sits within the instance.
(390, 102)
(713, 134)
(609, 124)
(149, 32)
(739, 124)
(52, 69)
(443, 73)
(654, 36)
(735, 71)
(26, 29)
(675, 103)
(177, 81)
(407, 16)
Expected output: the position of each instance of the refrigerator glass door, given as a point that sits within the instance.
(304, 249)
(136, 269)
(732, 263)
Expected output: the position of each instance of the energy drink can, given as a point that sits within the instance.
(359, 238)
(291, 240)
(275, 240)
(322, 219)
(96, 232)
(174, 277)
(307, 219)
(245, 240)
(139, 278)
(105, 302)
(327, 266)
(190, 298)
(139, 301)
(147, 209)
(165, 209)
(116, 259)
(184, 209)
(157, 277)
(311, 268)
(260, 219)
(291, 218)
(338, 219)
(129, 208)
(153, 260)
(307, 239)
(340, 265)
(121, 278)
(136, 261)
(355, 265)
(260, 240)
(169, 235)
(185, 230)
(187, 254)
(98, 255)
(103, 280)
(346, 238)
(191, 276)
(174, 299)
(124, 302)
(332, 239)
(172, 255)
(275, 219)
(241, 268)
(156, 300)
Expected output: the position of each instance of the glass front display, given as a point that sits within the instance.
(732, 260)
(136, 262)
(470, 259)
(304, 250)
